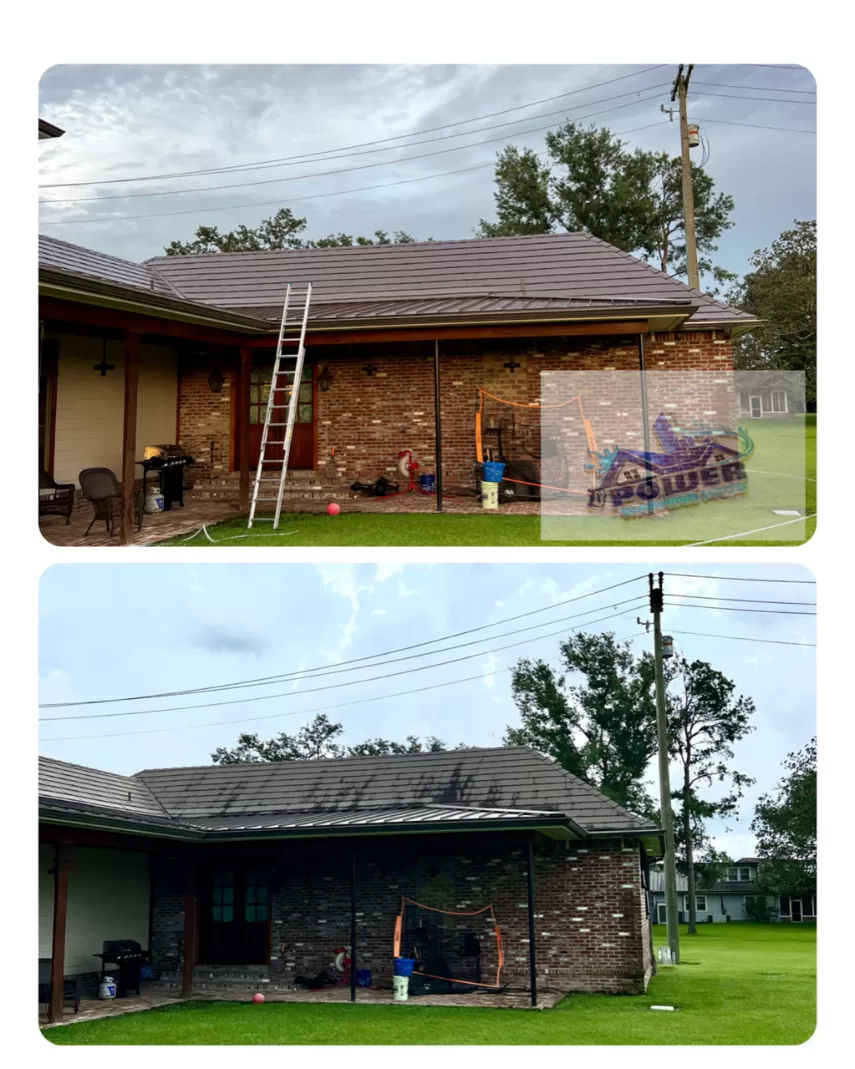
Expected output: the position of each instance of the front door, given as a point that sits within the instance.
(303, 440)
(795, 910)
(756, 404)
(234, 926)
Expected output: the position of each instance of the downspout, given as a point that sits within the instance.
(645, 417)
(438, 417)
(532, 960)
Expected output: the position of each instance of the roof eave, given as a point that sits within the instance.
(47, 130)
(83, 289)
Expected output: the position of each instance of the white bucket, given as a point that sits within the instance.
(490, 495)
(107, 988)
(400, 988)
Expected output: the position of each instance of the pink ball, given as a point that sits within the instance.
(258, 997)
(333, 509)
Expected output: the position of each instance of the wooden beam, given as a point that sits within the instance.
(131, 350)
(62, 863)
(462, 333)
(246, 356)
(190, 926)
(91, 315)
(532, 951)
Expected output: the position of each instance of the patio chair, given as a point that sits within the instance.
(101, 487)
(71, 989)
(60, 501)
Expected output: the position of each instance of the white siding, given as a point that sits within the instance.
(108, 898)
(90, 408)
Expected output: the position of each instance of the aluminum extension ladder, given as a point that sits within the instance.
(277, 391)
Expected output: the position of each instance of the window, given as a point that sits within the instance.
(259, 392)
(701, 903)
(744, 874)
(223, 898)
(255, 899)
(733, 874)
(784, 906)
(779, 401)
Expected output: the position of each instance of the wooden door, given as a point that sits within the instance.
(235, 922)
(303, 440)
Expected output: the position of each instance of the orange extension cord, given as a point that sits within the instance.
(399, 924)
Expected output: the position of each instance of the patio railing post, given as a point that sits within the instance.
(353, 924)
(190, 927)
(532, 957)
(131, 353)
(62, 863)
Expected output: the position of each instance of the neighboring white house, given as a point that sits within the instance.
(728, 899)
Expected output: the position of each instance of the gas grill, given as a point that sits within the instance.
(121, 959)
(170, 462)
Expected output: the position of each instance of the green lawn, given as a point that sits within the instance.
(772, 484)
(739, 984)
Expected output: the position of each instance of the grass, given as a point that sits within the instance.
(778, 454)
(740, 984)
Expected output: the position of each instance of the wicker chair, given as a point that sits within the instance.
(71, 987)
(101, 487)
(58, 503)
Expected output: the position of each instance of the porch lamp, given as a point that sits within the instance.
(369, 369)
(512, 365)
(215, 381)
(325, 379)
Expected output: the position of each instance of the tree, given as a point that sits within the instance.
(603, 731)
(633, 200)
(781, 291)
(785, 826)
(704, 721)
(280, 231)
(316, 742)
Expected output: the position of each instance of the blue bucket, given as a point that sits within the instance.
(404, 966)
(494, 472)
(363, 977)
(428, 484)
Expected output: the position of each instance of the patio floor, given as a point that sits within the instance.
(91, 1009)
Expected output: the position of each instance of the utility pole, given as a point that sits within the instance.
(656, 603)
(680, 91)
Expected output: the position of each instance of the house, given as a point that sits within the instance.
(258, 872)
(401, 342)
(772, 395)
(731, 898)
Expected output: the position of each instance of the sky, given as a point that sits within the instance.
(128, 630)
(133, 121)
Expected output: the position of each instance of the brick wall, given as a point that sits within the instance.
(591, 925)
(366, 420)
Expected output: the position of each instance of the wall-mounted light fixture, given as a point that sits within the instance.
(104, 367)
(369, 369)
(216, 380)
(325, 379)
(512, 365)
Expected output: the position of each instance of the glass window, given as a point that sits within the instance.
(779, 401)
(745, 874)
(223, 897)
(701, 903)
(784, 906)
(733, 874)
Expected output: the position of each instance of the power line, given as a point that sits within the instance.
(734, 96)
(739, 578)
(759, 88)
(732, 608)
(350, 683)
(746, 638)
(305, 673)
(382, 163)
(755, 601)
(342, 148)
(777, 66)
(757, 126)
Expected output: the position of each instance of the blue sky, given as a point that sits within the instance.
(108, 631)
(130, 120)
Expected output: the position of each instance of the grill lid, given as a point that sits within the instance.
(163, 452)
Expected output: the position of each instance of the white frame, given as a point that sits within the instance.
(661, 917)
(780, 411)
(759, 399)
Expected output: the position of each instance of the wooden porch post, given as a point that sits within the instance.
(190, 927)
(243, 425)
(131, 351)
(62, 863)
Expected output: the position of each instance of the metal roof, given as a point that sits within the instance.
(75, 259)
(47, 129)
(460, 787)
(566, 266)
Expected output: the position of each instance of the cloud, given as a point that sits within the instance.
(341, 579)
(387, 569)
(379, 612)
(404, 591)
(490, 665)
(226, 638)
